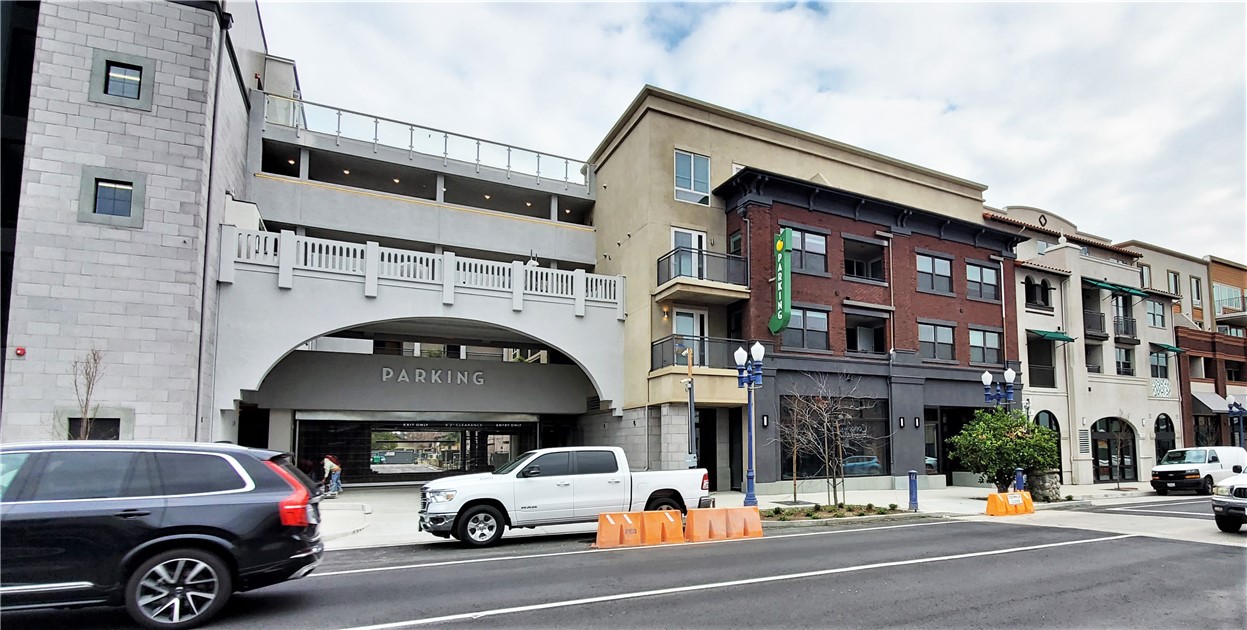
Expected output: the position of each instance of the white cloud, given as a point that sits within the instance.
(1128, 119)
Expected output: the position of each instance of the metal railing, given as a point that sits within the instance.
(688, 262)
(1042, 375)
(1094, 369)
(1124, 327)
(1094, 322)
(1228, 305)
(710, 352)
(379, 131)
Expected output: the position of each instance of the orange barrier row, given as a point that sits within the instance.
(1009, 503)
(632, 529)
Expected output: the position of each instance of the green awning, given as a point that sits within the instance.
(1132, 291)
(1101, 284)
(1115, 288)
(1051, 335)
(1168, 348)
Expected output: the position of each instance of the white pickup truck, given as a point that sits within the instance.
(553, 486)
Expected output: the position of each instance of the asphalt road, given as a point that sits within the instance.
(1194, 507)
(929, 573)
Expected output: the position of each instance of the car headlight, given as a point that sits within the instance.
(1221, 490)
(441, 496)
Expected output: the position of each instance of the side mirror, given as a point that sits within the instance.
(1238, 470)
(531, 471)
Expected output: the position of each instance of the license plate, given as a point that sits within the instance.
(1171, 484)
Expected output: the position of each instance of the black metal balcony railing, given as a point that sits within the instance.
(1041, 376)
(710, 352)
(1124, 327)
(688, 262)
(1094, 369)
(1094, 322)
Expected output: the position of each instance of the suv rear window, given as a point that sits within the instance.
(69, 475)
(196, 473)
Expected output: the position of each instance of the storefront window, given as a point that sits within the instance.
(864, 440)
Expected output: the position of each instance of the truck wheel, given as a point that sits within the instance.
(1228, 524)
(178, 589)
(1162, 491)
(1206, 487)
(662, 503)
(480, 526)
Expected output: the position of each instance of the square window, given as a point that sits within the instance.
(982, 282)
(806, 329)
(1125, 361)
(863, 260)
(809, 251)
(1160, 365)
(123, 80)
(692, 178)
(936, 342)
(113, 198)
(984, 347)
(935, 274)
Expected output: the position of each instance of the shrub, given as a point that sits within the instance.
(882, 511)
(840, 506)
(998, 440)
(1069, 497)
(782, 517)
(837, 514)
(892, 507)
(777, 512)
(816, 508)
(859, 513)
(870, 506)
(811, 514)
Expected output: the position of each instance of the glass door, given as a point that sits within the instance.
(689, 259)
(689, 328)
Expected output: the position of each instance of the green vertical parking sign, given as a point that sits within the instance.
(783, 281)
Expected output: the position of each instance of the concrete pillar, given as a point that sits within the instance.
(281, 430)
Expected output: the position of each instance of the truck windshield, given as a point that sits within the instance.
(513, 464)
(1194, 456)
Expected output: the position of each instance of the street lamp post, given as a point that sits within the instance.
(749, 377)
(1237, 413)
(998, 397)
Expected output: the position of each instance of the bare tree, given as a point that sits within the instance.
(1123, 445)
(88, 370)
(823, 420)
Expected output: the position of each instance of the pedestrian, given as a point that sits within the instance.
(333, 476)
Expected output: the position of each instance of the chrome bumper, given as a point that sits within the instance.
(436, 523)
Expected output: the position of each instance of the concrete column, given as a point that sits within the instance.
(281, 430)
(554, 207)
(518, 277)
(621, 312)
(229, 253)
(579, 288)
(440, 191)
(285, 260)
(372, 260)
(449, 275)
(304, 159)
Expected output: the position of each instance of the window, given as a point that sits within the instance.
(734, 244)
(984, 347)
(1040, 368)
(982, 282)
(864, 333)
(867, 453)
(113, 198)
(123, 80)
(935, 274)
(1160, 365)
(1197, 291)
(69, 475)
(10, 464)
(552, 464)
(936, 342)
(97, 429)
(1233, 370)
(196, 473)
(1094, 357)
(1042, 246)
(1227, 297)
(1155, 314)
(809, 252)
(1037, 292)
(1125, 361)
(1233, 331)
(1145, 276)
(1175, 283)
(692, 178)
(863, 260)
(595, 463)
(807, 329)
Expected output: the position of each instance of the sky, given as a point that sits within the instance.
(1128, 119)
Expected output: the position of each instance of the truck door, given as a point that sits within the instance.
(598, 484)
(543, 490)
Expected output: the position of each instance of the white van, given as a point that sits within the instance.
(1197, 468)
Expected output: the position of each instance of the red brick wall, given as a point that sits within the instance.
(901, 271)
(1220, 348)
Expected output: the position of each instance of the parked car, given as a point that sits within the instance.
(860, 465)
(168, 530)
(1196, 469)
(553, 486)
(1229, 502)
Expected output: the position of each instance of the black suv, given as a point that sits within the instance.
(169, 530)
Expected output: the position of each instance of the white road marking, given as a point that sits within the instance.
(1144, 511)
(584, 551)
(718, 585)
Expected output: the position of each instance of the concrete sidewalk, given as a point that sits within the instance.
(378, 517)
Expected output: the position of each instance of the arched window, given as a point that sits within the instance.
(1031, 290)
(1166, 440)
(1048, 421)
(1113, 446)
(1045, 293)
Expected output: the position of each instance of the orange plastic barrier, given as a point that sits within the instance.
(1009, 503)
(744, 522)
(662, 527)
(619, 529)
(706, 524)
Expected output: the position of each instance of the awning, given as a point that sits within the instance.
(1209, 403)
(1132, 291)
(1101, 284)
(1051, 335)
(1168, 348)
(1115, 288)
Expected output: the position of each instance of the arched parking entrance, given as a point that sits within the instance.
(1047, 420)
(1166, 439)
(1113, 445)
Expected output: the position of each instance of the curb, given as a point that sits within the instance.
(341, 507)
(878, 518)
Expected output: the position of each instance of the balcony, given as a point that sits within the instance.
(1229, 310)
(687, 274)
(1124, 329)
(1042, 376)
(713, 369)
(1093, 325)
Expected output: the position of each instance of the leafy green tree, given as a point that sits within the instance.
(998, 441)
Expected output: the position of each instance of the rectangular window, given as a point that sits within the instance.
(1160, 365)
(76, 475)
(1155, 314)
(1175, 283)
(809, 251)
(1125, 361)
(863, 333)
(1197, 292)
(1233, 331)
(1233, 370)
(113, 198)
(692, 178)
(863, 260)
(982, 282)
(985, 347)
(123, 80)
(1145, 276)
(97, 429)
(936, 342)
(734, 244)
(807, 329)
(866, 449)
(935, 274)
(595, 463)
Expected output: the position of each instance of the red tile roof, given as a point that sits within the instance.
(992, 216)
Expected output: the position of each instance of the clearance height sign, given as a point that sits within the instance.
(783, 281)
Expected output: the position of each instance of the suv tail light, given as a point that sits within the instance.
(705, 481)
(294, 509)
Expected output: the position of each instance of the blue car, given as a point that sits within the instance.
(862, 465)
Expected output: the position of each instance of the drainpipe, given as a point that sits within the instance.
(1069, 382)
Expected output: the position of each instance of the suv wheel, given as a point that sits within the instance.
(480, 526)
(1228, 524)
(177, 589)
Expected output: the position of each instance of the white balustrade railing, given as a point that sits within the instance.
(288, 251)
